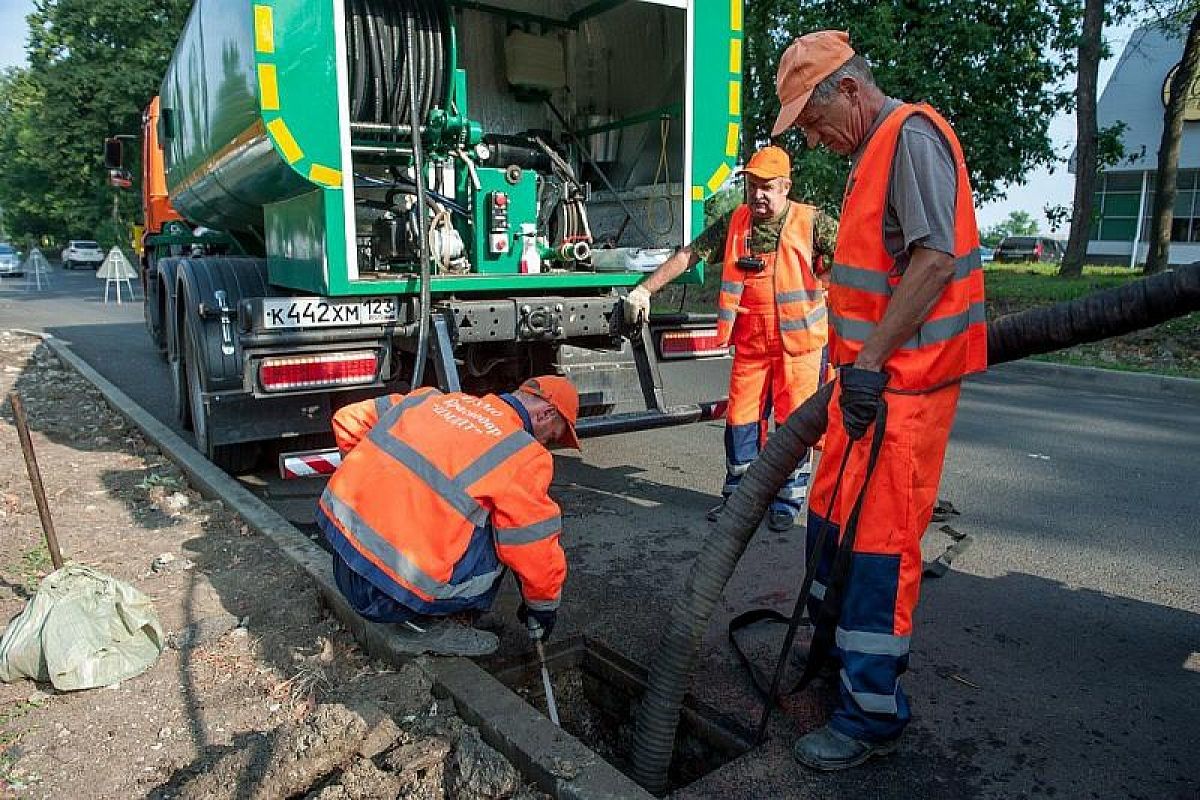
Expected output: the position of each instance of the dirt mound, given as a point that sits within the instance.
(391, 739)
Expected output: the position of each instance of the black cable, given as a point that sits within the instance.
(426, 309)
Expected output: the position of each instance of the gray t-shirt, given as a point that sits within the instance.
(923, 189)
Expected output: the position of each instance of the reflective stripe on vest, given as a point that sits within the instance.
(952, 340)
(351, 524)
(799, 296)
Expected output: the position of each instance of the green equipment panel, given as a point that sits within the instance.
(520, 203)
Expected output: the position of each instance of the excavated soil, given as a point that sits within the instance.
(261, 694)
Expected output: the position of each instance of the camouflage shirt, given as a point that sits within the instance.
(709, 246)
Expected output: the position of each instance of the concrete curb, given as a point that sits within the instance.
(1101, 380)
(553, 759)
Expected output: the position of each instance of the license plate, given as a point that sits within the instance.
(318, 312)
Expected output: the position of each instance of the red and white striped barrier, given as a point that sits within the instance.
(309, 464)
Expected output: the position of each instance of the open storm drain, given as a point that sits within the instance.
(598, 691)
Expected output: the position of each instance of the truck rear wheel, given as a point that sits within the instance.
(233, 458)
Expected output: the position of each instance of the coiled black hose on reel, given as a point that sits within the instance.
(377, 47)
(1139, 304)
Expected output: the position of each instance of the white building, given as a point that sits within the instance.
(1125, 192)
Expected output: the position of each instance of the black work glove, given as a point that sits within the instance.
(539, 623)
(862, 392)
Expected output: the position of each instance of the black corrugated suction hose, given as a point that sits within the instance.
(1136, 305)
(377, 49)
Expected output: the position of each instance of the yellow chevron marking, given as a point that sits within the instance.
(264, 29)
(719, 177)
(283, 137)
(735, 98)
(326, 176)
(268, 87)
(731, 140)
(735, 56)
(697, 192)
(735, 15)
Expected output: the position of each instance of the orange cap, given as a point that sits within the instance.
(809, 60)
(769, 162)
(560, 393)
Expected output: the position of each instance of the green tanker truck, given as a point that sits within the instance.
(348, 195)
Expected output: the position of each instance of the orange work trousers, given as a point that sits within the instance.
(874, 622)
(766, 380)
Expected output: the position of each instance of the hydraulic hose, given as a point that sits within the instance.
(422, 213)
(382, 37)
(1136, 305)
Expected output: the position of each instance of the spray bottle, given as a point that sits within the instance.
(531, 260)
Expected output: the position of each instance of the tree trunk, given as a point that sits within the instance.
(1085, 138)
(1168, 153)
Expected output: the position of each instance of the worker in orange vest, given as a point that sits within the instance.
(907, 318)
(437, 494)
(771, 308)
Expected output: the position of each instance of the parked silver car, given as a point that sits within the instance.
(10, 260)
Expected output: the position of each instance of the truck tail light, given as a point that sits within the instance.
(318, 371)
(691, 343)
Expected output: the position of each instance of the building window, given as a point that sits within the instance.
(1118, 199)
(1119, 195)
(1185, 225)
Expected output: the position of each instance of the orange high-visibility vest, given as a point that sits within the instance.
(437, 492)
(799, 295)
(952, 341)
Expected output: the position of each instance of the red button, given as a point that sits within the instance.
(500, 199)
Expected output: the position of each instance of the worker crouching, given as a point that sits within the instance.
(437, 495)
(771, 309)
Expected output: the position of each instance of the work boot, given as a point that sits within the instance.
(780, 520)
(442, 637)
(827, 750)
(715, 511)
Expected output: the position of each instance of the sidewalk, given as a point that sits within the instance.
(261, 688)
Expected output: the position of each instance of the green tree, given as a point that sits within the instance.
(1018, 223)
(93, 66)
(990, 66)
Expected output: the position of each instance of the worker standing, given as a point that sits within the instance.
(771, 308)
(907, 316)
(436, 496)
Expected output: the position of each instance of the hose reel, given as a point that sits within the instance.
(377, 48)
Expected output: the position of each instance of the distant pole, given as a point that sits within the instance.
(35, 478)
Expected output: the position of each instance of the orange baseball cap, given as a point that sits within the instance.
(769, 162)
(809, 60)
(560, 393)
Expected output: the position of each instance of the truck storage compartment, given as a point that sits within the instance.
(544, 131)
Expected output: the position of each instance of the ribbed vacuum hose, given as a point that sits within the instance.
(675, 660)
(1100, 315)
(1137, 305)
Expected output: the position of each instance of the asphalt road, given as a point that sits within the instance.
(1060, 657)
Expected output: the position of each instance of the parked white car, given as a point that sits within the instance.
(82, 252)
(10, 260)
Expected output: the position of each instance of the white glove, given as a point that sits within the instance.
(637, 305)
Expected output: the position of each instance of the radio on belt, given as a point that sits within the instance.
(498, 223)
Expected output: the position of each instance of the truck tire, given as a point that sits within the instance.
(155, 301)
(233, 458)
